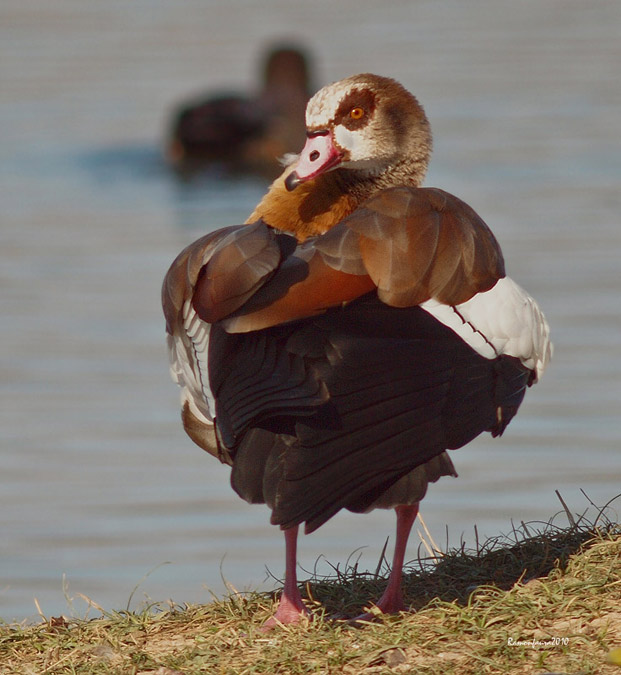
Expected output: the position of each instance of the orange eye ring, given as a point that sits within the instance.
(356, 113)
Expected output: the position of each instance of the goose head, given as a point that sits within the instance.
(369, 126)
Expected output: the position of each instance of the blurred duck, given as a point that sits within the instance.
(245, 134)
(356, 328)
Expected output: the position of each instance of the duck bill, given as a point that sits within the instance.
(318, 156)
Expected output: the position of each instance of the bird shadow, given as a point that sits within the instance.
(530, 551)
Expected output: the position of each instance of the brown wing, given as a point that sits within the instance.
(209, 279)
(220, 271)
(422, 243)
(411, 244)
(280, 301)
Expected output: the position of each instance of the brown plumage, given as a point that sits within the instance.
(311, 210)
(334, 347)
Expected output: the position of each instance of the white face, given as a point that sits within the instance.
(353, 142)
(322, 106)
(359, 140)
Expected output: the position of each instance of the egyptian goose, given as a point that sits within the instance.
(242, 133)
(356, 327)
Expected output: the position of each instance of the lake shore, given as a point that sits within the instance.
(545, 601)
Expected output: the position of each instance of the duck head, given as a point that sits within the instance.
(366, 124)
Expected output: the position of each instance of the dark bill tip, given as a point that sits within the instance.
(292, 181)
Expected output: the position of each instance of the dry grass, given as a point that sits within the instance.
(533, 603)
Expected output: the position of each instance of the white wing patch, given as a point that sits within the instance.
(189, 367)
(503, 320)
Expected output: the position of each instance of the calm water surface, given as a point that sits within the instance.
(99, 483)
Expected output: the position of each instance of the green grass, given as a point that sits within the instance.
(476, 612)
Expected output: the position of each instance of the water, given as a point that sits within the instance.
(99, 485)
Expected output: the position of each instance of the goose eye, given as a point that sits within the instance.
(356, 113)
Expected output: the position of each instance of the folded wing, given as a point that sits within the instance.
(336, 367)
(409, 244)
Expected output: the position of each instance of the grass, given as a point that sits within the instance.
(537, 601)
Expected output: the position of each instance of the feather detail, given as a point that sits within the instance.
(419, 243)
(504, 320)
(312, 209)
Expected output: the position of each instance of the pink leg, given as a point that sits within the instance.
(391, 601)
(290, 608)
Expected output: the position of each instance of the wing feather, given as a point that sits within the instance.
(241, 263)
(411, 244)
(359, 397)
(319, 354)
(422, 243)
